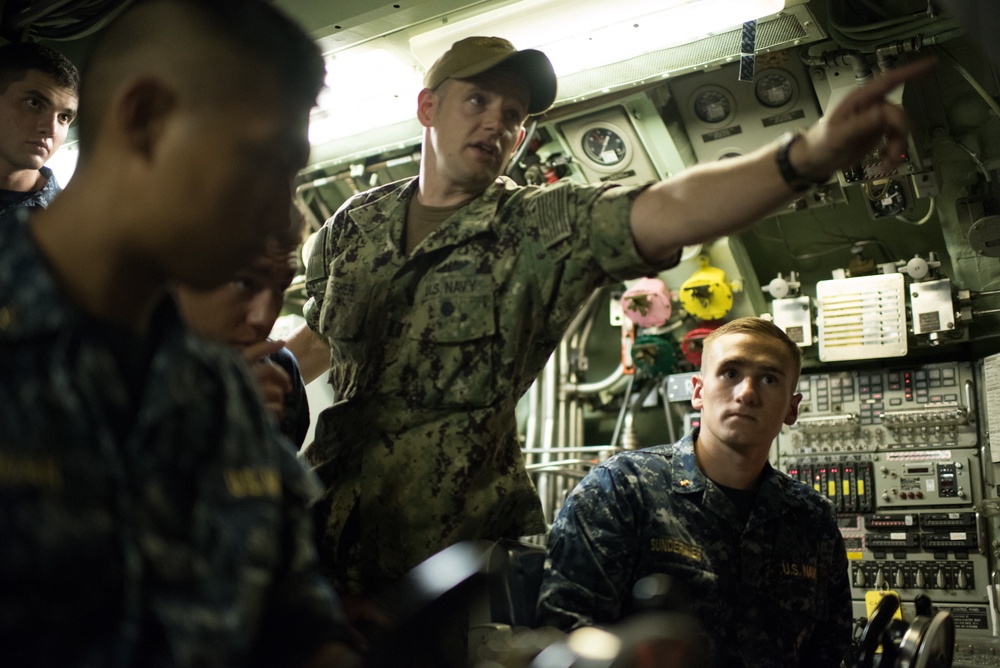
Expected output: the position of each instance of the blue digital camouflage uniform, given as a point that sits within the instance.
(774, 592)
(431, 352)
(42, 197)
(164, 526)
(294, 422)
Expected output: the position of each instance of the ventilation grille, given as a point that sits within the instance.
(861, 318)
(792, 27)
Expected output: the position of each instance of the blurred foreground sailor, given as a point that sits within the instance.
(435, 301)
(152, 515)
(759, 554)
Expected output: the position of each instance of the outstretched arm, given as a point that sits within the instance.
(712, 200)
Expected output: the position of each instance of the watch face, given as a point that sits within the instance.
(604, 146)
(713, 105)
(774, 88)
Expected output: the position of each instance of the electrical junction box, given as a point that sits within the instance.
(932, 307)
(794, 316)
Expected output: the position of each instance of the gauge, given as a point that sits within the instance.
(604, 146)
(774, 88)
(713, 105)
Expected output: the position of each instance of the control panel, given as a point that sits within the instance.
(927, 406)
(896, 451)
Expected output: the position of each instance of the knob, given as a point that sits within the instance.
(963, 580)
(900, 580)
(921, 580)
(859, 578)
(941, 583)
(885, 496)
(879, 579)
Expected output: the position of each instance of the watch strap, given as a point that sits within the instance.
(795, 181)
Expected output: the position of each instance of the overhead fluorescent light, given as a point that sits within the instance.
(582, 34)
(366, 88)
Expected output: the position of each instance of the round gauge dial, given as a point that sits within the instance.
(774, 88)
(604, 146)
(713, 105)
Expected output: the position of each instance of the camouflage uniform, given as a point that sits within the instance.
(773, 592)
(150, 513)
(42, 197)
(431, 352)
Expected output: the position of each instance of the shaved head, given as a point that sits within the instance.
(207, 49)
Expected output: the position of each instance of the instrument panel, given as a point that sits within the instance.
(896, 451)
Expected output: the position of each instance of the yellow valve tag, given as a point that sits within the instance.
(873, 598)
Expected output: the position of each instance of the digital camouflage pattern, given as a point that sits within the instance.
(148, 519)
(431, 352)
(294, 422)
(41, 197)
(774, 592)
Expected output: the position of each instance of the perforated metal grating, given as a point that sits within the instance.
(792, 27)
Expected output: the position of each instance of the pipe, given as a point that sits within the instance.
(585, 389)
(850, 57)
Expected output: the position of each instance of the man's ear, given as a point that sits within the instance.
(143, 111)
(793, 410)
(697, 401)
(426, 104)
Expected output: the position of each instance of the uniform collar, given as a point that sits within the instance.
(31, 303)
(686, 477)
(381, 219)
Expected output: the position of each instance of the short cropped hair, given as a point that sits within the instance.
(289, 239)
(19, 57)
(267, 40)
(759, 327)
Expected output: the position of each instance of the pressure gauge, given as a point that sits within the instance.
(713, 104)
(774, 88)
(604, 146)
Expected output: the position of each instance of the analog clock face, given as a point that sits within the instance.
(604, 146)
(774, 88)
(713, 105)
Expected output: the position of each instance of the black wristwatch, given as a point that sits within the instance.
(795, 181)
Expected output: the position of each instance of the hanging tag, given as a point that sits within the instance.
(873, 598)
(748, 50)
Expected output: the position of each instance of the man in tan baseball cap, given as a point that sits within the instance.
(474, 55)
(435, 301)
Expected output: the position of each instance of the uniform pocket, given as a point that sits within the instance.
(454, 336)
